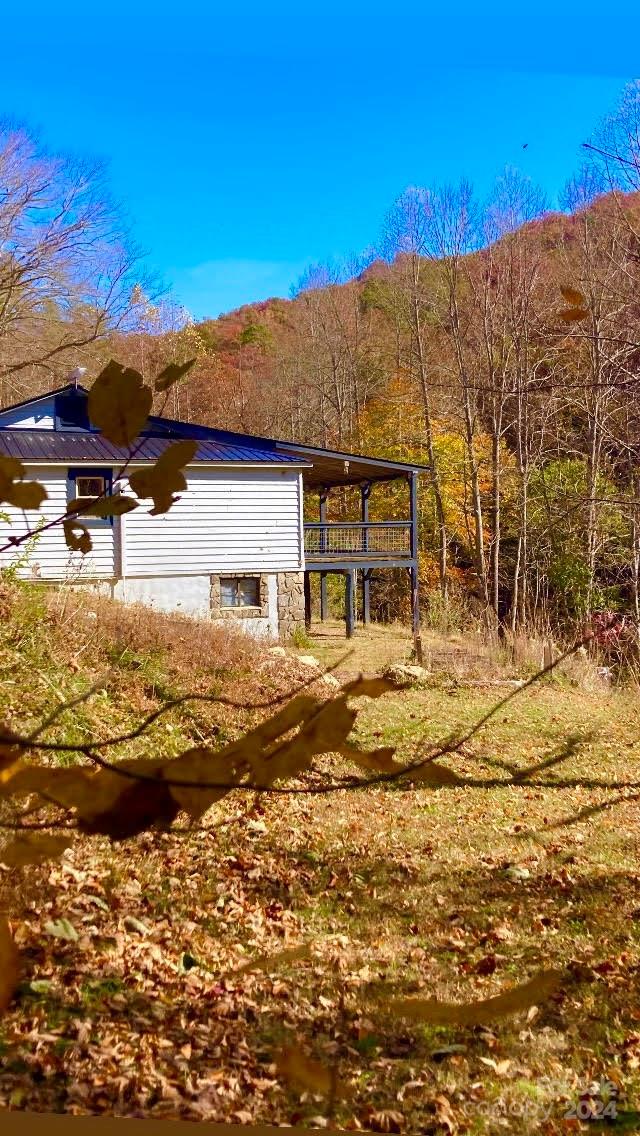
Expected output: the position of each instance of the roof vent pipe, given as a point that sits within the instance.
(76, 375)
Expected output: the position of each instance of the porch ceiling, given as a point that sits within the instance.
(332, 467)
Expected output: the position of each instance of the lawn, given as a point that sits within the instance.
(456, 893)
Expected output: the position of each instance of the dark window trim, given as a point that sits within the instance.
(79, 421)
(90, 471)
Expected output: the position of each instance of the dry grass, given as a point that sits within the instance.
(94, 625)
(464, 657)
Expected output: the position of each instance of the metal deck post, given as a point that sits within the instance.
(350, 605)
(307, 600)
(324, 607)
(415, 586)
(365, 491)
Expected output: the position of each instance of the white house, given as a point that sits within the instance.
(232, 546)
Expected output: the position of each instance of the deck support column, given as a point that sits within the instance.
(366, 602)
(307, 600)
(365, 491)
(350, 604)
(324, 607)
(413, 571)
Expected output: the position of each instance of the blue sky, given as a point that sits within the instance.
(247, 144)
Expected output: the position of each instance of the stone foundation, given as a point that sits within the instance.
(290, 602)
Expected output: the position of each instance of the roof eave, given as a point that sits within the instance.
(41, 397)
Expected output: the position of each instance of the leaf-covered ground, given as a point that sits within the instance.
(132, 1002)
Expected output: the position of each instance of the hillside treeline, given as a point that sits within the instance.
(495, 341)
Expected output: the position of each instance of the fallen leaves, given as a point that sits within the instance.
(158, 1033)
(61, 929)
(384, 1120)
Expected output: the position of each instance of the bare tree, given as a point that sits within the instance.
(405, 241)
(68, 268)
(505, 283)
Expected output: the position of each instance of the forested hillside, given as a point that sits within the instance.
(495, 341)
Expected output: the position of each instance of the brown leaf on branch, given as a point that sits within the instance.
(119, 403)
(112, 506)
(377, 760)
(77, 537)
(68, 788)
(200, 765)
(106, 801)
(170, 374)
(573, 296)
(307, 1074)
(270, 962)
(34, 848)
(369, 687)
(10, 756)
(432, 774)
(164, 479)
(130, 796)
(574, 315)
(139, 806)
(9, 965)
(262, 757)
(15, 491)
(513, 1001)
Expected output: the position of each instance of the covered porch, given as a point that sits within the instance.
(355, 549)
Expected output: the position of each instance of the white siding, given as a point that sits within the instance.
(190, 595)
(50, 559)
(39, 415)
(226, 521)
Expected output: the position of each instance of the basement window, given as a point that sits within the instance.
(240, 591)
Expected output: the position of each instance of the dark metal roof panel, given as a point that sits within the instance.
(69, 446)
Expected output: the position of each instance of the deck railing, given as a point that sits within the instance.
(358, 539)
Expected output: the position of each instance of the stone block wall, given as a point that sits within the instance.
(290, 602)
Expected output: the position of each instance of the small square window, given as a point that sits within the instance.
(84, 486)
(88, 488)
(240, 591)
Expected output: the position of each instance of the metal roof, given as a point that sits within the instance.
(322, 467)
(52, 446)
